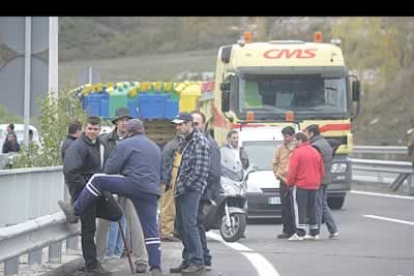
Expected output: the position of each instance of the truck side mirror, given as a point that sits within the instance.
(356, 90)
(225, 96)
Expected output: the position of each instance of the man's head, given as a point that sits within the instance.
(288, 134)
(10, 128)
(233, 138)
(184, 123)
(92, 127)
(312, 130)
(301, 138)
(134, 126)
(121, 114)
(75, 128)
(199, 120)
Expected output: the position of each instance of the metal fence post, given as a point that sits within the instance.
(35, 257)
(72, 243)
(55, 253)
(11, 267)
(410, 183)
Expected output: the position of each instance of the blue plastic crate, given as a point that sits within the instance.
(94, 105)
(151, 105)
(171, 108)
(104, 105)
(133, 106)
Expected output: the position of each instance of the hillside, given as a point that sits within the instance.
(168, 48)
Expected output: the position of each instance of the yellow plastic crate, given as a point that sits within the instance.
(189, 96)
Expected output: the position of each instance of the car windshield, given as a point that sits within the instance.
(260, 153)
(309, 95)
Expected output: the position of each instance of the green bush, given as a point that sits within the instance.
(55, 115)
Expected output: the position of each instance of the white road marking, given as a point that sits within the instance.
(262, 266)
(390, 219)
(382, 195)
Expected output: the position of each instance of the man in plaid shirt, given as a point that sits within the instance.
(189, 179)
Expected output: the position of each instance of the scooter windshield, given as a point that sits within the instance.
(231, 166)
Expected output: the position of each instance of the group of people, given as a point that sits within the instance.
(135, 170)
(303, 166)
(127, 165)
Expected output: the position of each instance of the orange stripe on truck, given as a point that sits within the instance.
(334, 127)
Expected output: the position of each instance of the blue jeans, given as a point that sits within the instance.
(115, 241)
(146, 205)
(186, 216)
(200, 223)
(323, 212)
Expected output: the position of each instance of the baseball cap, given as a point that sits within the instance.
(182, 117)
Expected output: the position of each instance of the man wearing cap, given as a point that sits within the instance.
(133, 171)
(188, 179)
(139, 252)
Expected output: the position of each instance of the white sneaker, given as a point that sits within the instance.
(112, 257)
(333, 235)
(312, 238)
(295, 237)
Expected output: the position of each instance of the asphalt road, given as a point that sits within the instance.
(376, 239)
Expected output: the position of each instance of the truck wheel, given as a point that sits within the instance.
(336, 202)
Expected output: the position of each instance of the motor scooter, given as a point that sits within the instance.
(228, 211)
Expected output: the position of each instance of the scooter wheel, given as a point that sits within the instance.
(235, 231)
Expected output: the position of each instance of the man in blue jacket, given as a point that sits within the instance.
(133, 171)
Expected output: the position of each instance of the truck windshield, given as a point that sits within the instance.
(310, 96)
(260, 153)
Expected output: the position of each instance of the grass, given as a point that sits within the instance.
(166, 67)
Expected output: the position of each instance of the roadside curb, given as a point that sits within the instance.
(66, 269)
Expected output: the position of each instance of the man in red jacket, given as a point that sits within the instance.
(305, 175)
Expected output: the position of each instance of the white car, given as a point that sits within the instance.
(263, 189)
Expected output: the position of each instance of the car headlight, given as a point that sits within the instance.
(253, 189)
(339, 168)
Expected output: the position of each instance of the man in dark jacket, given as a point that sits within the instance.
(74, 132)
(213, 183)
(133, 171)
(11, 144)
(188, 179)
(322, 210)
(79, 164)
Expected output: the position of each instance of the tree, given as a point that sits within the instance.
(367, 43)
(55, 115)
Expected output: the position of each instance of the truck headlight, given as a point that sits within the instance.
(339, 168)
(253, 189)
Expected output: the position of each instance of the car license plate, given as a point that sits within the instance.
(273, 200)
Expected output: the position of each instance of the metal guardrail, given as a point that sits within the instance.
(31, 237)
(29, 193)
(400, 172)
(382, 166)
(380, 149)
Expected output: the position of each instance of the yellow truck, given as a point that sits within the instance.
(260, 87)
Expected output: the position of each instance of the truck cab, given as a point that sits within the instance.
(259, 84)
